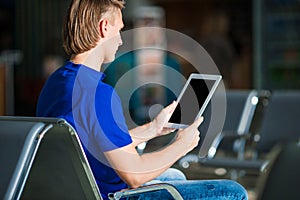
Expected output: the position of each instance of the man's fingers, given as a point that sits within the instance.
(172, 106)
(198, 121)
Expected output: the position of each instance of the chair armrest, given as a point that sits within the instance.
(232, 163)
(225, 135)
(185, 161)
(144, 189)
(194, 158)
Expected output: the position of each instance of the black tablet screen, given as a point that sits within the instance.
(191, 101)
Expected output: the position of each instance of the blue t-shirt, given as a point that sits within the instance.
(77, 94)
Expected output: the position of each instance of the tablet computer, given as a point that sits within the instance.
(193, 99)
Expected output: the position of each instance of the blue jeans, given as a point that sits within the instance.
(196, 189)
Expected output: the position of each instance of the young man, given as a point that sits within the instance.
(76, 93)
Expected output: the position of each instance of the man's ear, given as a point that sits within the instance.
(103, 27)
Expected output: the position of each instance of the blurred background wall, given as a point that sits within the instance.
(255, 44)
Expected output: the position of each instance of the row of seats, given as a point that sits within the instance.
(41, 158)
(260, 134)
(255, 122)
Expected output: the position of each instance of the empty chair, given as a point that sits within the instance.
(241, 106)
(275, 122)
(281, 178)
(280, 122)
(236, 104)
(250, 123)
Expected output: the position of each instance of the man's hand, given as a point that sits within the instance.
(162, 118)
(190, 136)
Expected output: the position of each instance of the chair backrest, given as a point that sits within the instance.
(16, 140)
(240, 108)
(42, 158)
(282, 178)
(235, 101)
(281, 120)
(239, 113)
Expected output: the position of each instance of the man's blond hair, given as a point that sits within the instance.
(81, 27)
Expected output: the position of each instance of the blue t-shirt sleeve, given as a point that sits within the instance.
(114, 131)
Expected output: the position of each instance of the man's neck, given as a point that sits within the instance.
(88, 59)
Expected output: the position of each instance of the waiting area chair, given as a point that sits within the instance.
(42, 158)
(281, 179)
(242, 105)
(280, 123)
(274, 122)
